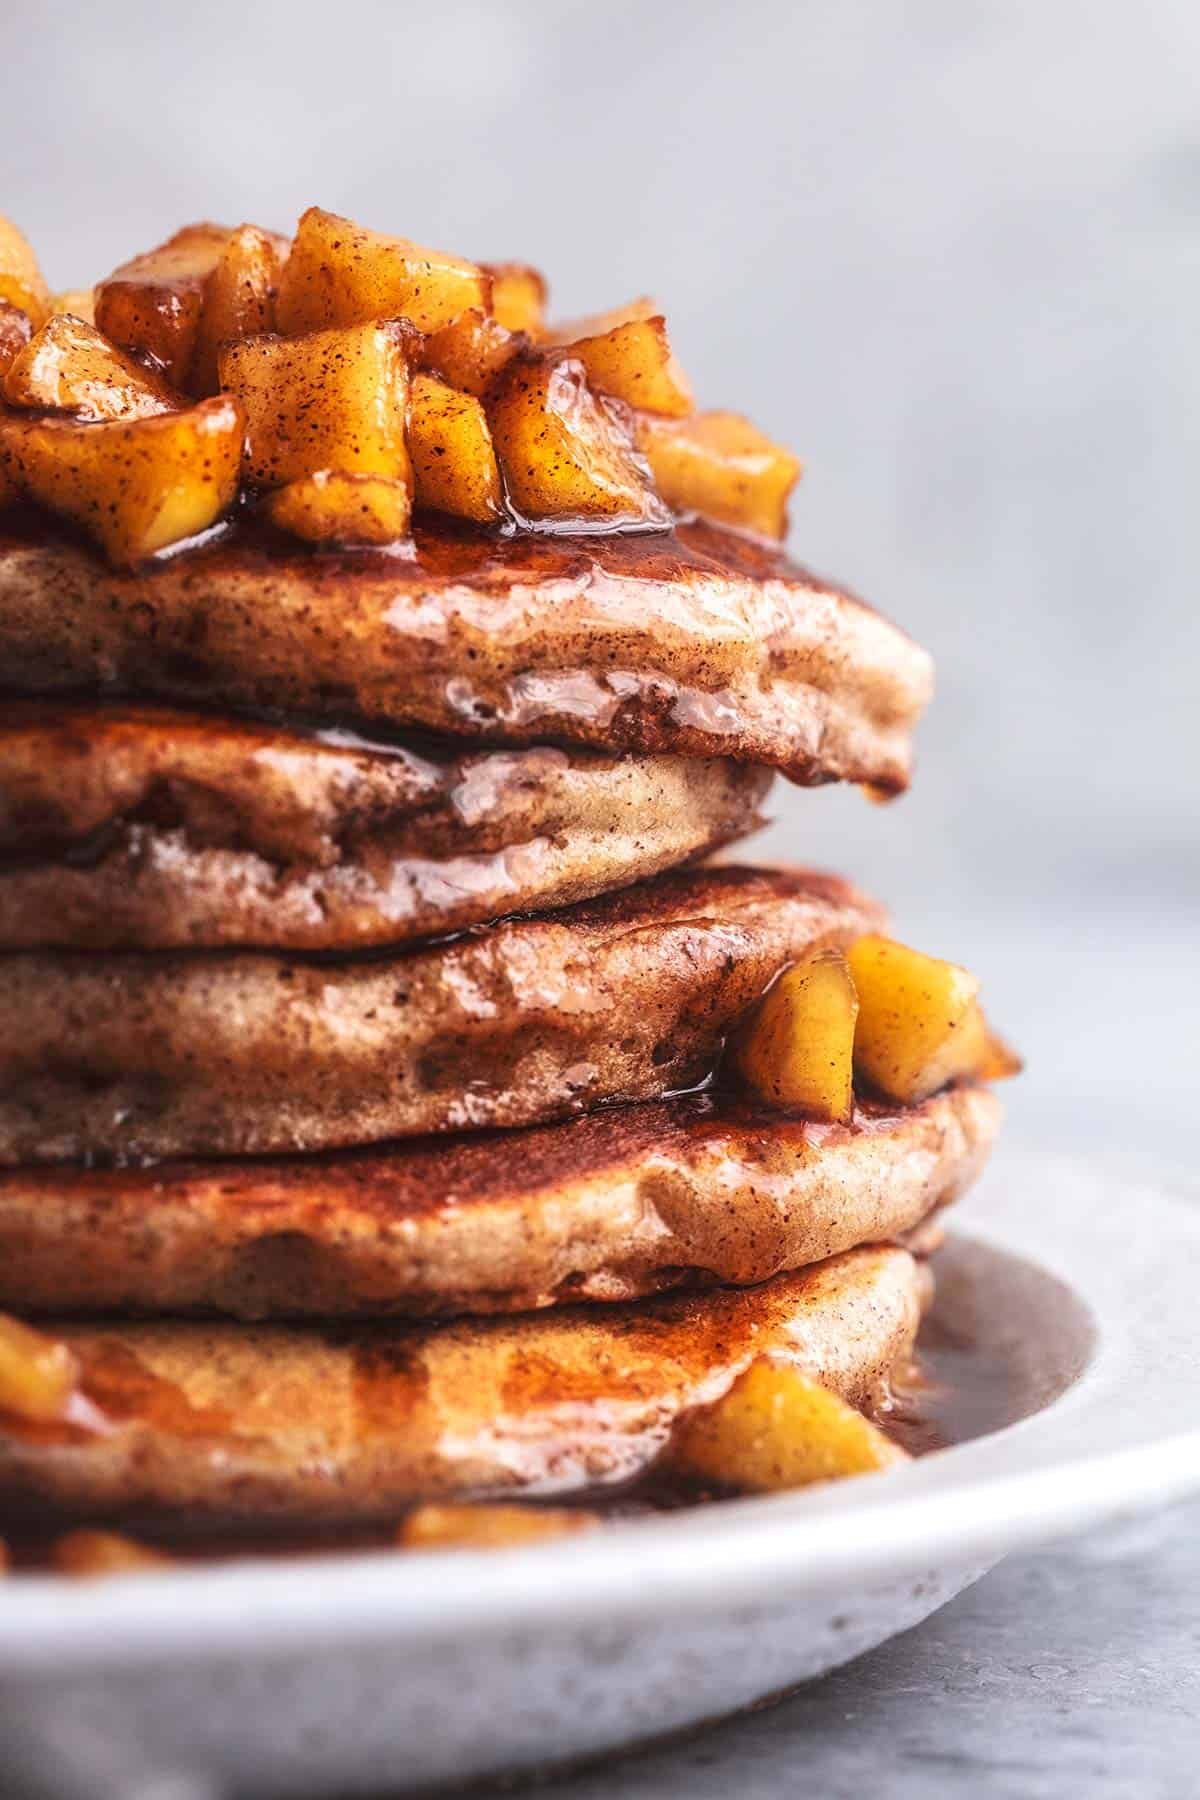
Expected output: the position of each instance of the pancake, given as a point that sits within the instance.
(174, 1054)
(137, 828)
(275, 1421)
(694, 642)
(626, 1202)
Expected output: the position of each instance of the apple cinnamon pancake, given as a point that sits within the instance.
(695, 641)
(223, 1053)
(142, 828)
(625, 1202)
(180, 1420)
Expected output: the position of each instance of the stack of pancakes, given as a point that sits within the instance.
(362, 1000)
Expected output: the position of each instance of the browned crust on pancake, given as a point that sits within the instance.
(626, 1202)
(272, 1421)
(227, 1053)
(695, 642)
(141, 828)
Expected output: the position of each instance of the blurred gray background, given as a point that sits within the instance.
(947, 251)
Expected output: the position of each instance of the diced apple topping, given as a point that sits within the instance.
(919, 1022)
(153, 304)
(777, 1427)
(15, 333)
(488, 1527)
(338, 273)
(21, 280)
(38, 1374)
(329, 507)
(470, 352)
(238, 300)
(453, 458)
(563, 452)
(722, 466)
(796, 1050)
(137, 485)
(518, 296)
(87, 1553)
(634, 362)
(71, 367)
(79, 302)
(326, 400)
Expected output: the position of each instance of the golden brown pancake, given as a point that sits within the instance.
(138, 828)
(625, 1202)
(303, 1423)
(227, 1053)
(694, 642)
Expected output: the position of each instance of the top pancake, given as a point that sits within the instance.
(693, 642)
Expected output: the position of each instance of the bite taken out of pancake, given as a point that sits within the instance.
(625, 1202)
(140, 828)
(265, 1422)
(124, 1056)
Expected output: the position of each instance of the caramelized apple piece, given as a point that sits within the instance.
(563, 452)
(153, 304)
(454, 462)
(919, 1022)
(15, 333)
(327, 400)
(634, 362)
(470, 352)
(718, 464)
(38, 1374)
(331, 508)
(79, 302)
(21, 280)
(238, 300)
(569, 331)
(91, 1553)
(518, 296)
(778, 1428)
(71, 367)
(136, 485)
(796, 1050)
(340, 274)
(494, 1527)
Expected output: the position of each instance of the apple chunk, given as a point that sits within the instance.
(332, 508)
(634, 362)
(563, 452)
(79, 302)
(15, 333)
(919, 1022)
(238, 299)
(470, 352)
(38, 1374)
(137, 485)
(327, 400)
(71, 367)
(488, 1527)
(87, 1553)
(21, 281)
(795, 1051)
(719, 464)
(777, 1428)
(453, 458)
(518, 296)
(152, 305)
(340, 274)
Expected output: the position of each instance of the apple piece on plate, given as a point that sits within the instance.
(470, 352)
(338, 273)
(453, 458)
(87, 1553)
(563, 452)
(795, 1051)
(152, 305)
(21, 281)
(70, 367)
(777, 1427)
(634, 362)
(15, 333)
(137, 485)
(518, 296)
(920, 1025)
(238, 301)
(329, 507)
(38, 1374)
(720, 465)
(333, 399)
(482, 1526)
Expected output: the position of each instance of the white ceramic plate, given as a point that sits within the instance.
(375, 1673)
